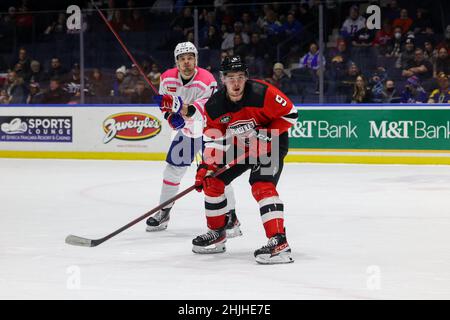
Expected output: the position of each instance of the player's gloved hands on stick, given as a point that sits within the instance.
(169, 103)
(175, 120)
(203, 176)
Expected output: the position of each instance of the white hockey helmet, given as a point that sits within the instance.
(185, 47)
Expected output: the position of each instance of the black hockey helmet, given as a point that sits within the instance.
(233, 64)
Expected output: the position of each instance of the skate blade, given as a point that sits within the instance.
(161, 227)
(284, 257)
(233, 233)
(214, 248)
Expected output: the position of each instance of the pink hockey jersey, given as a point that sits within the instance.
(196, 92)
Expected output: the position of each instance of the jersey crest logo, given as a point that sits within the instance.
(242, 126)
(225, 119)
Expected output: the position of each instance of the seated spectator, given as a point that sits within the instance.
(404, 21)
(419, 67)
(446, 42)
(361, 92)
(346, 85)
(131, 80)
(37, 74)
(292, 27)
(239, 47)
(213, 40)
(73, 83)
(59, 26)
(390, 93)
(142, 94)
(338, 61)
(56, 69)
(136, 23)
(383, 38)
(422, 24)
(228, 40)
(430, 51)
(352, 24)
(250, 25)
(271, 25)
(376, 82)
(280, 79)
(118, 87)
(394, 46)
(98, 85)
(311, 62)
(35, 96)
(155, 76)
(4, 97)
(407, 54)
(16, 89)
(258, 56)
(56, 94)
(442, 62)
(442, 94)
(413, 92)
(18, 68)
(23, 59)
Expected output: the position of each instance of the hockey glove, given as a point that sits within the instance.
(175, 121)
(169, 103)
(204, 172)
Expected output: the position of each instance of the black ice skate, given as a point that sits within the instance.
(211, 242)
(233, 225)
(159, 221)
(276, 251)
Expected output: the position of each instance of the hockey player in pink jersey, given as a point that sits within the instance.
(184, 90)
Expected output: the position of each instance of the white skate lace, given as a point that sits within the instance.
(271, 243)
(210, 235)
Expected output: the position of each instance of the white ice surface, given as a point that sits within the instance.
(357, 232)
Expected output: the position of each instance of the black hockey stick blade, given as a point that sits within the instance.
(79, 241)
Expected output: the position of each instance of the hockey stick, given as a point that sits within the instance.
(84, 242)
(141, 71)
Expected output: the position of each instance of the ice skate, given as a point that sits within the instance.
(211, 242)
(276, 251)
(233, 225)
(159, 221)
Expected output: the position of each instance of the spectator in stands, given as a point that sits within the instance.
(186, 20)
(446, 42)
(413, 92)
(383, 37)
(15, 88)
(419, 67)
(239, 47)
(56, 69)
(376, 82)
(172, 38)
(73, 83)
(362, 52)
(258, 56)
(422, 23)
(4, 97)
(250, 25)
(213, 40)
(280, 79)
(35, 96)
(390, 93)
(136, 23)
(347, 82)
(442, 62)
(131, 81)
(142, 94)
(394, 46)
(271, 26)
(430, 51)
(118, 22)
(311, 62)
(442, 94)
(352, 24)
(392, 11)
(37, 74)
(118, 88)
(98, 85)
(56, 94)
(23, 59)
(228, 40)
(404, 21)
(338, 61)
(361, 92)
(59, 26)
(407, 54)
(18, 68)
(155, 76)
(291, 28)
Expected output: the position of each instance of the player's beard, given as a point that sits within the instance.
(187, 71)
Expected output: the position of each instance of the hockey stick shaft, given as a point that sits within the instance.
(78, 241)
(119, 39)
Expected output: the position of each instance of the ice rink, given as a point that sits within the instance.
(357, 232)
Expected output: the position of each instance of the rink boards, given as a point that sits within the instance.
(323, 134)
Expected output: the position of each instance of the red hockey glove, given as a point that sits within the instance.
(204, 171)
(169, 103)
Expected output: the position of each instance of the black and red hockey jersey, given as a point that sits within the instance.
(263, 106)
